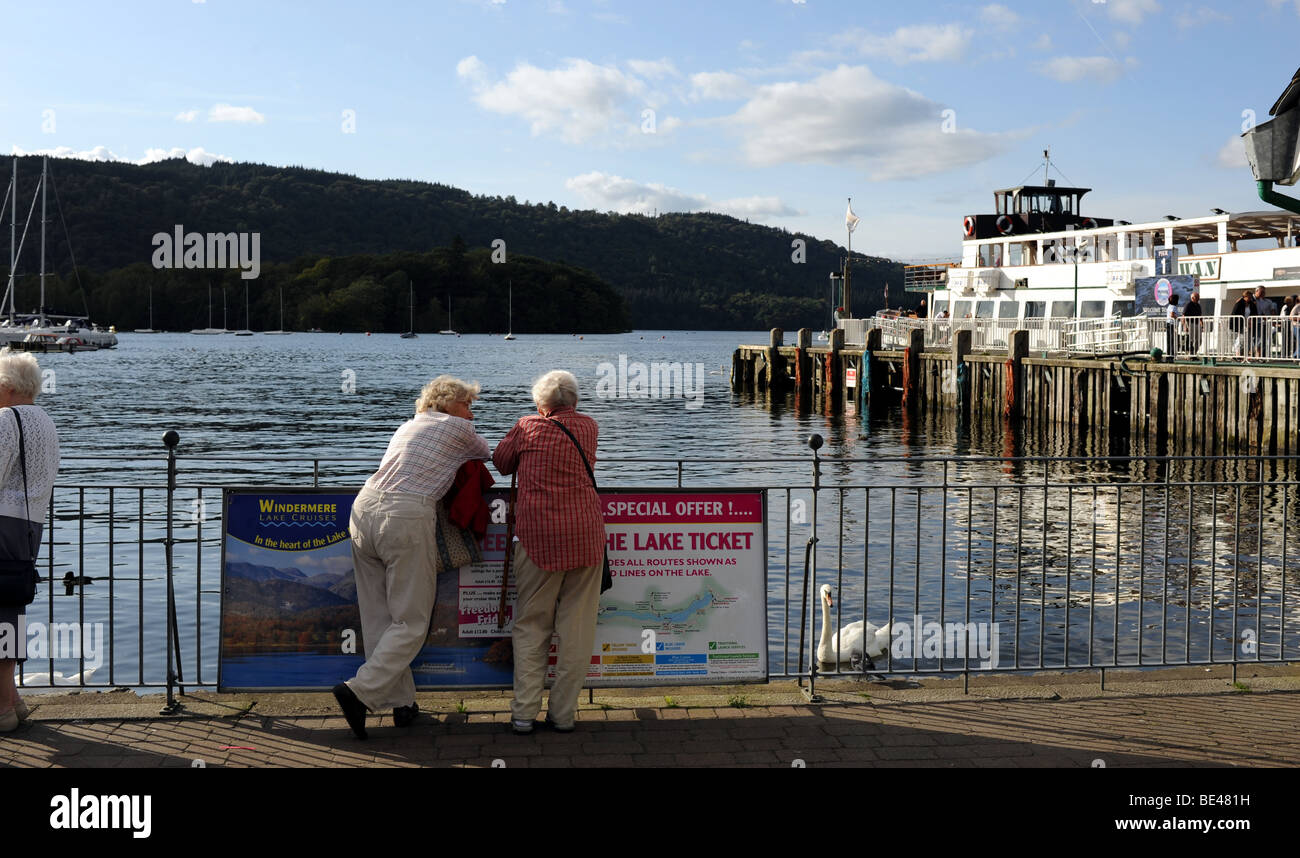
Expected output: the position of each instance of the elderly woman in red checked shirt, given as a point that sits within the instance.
(561, 549)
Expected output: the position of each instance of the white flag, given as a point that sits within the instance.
(850, 219)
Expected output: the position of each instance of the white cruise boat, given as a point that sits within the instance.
(1038, 263)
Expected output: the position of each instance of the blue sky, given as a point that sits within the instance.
(772, 110)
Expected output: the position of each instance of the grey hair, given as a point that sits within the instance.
(556, 389)
(443, 391)
(20, 372)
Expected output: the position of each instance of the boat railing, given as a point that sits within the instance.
(1274, 339)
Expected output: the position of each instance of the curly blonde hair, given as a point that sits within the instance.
(444, 391)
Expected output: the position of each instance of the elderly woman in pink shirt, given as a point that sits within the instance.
(560, 554)
(394, 530)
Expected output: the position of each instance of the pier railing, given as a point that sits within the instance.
(978, 564)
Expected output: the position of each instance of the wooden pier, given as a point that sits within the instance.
(1205, 409)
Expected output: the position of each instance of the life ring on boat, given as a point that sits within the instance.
(1005, 225)
(1087, 223)
(969, 224)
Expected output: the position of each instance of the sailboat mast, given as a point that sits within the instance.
(44, 162)
(13, 222)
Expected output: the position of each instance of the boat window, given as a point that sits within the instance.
(984, 309)
(940, 306)
(1207, 306)
(1017, 256)
(1092, 310)
(1035, 309)
(1062, 309)
(1008, 310)
(1124, 308)
(961, 310)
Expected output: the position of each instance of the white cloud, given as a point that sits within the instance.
(1232, 154)
(187, 116)
(1072, 69)
(921, 43)
(230, 113)
(197, 155)
(718, 85)
(999, 17)
(653, 69)
(850, 116)
(1198, 17)
(473, 70)
(1043, 43)
(579, 100)
(1131, 11)
(1277, 4)
(607, 192)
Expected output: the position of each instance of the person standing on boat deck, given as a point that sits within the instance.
(920, 310)
(1173, 317)
(394, 545)
(1264, 306)
(560, 554)
(1192, 322)
(22, 507)
(1241, 312)
(1295, 326)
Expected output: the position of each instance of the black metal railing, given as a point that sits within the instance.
(977, 563)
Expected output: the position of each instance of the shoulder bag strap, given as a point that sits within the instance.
(566, 431)
(22, 463)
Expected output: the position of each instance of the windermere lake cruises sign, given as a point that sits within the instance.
(687, 606)
(1206, 268)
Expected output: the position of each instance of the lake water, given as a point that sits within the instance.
(1210, 562)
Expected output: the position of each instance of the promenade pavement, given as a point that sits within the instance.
(1186, 717)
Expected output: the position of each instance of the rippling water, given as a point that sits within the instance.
(991, 547)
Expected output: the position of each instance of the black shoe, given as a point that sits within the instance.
(353, 709)
(404, 716)
(557, 728)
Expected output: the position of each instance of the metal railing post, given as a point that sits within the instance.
(810, 571)
(170, 440)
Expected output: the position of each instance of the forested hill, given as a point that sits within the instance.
(672, 271)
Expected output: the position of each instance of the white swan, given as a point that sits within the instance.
(848, 640)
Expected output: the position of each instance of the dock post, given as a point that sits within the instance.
(961, 347)
(737, 372)
(803, 366)
(874, 370)
(912, 368)
(1017, 351)
(834, 373)
(774, 372)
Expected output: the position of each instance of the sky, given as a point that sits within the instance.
(775, 111)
